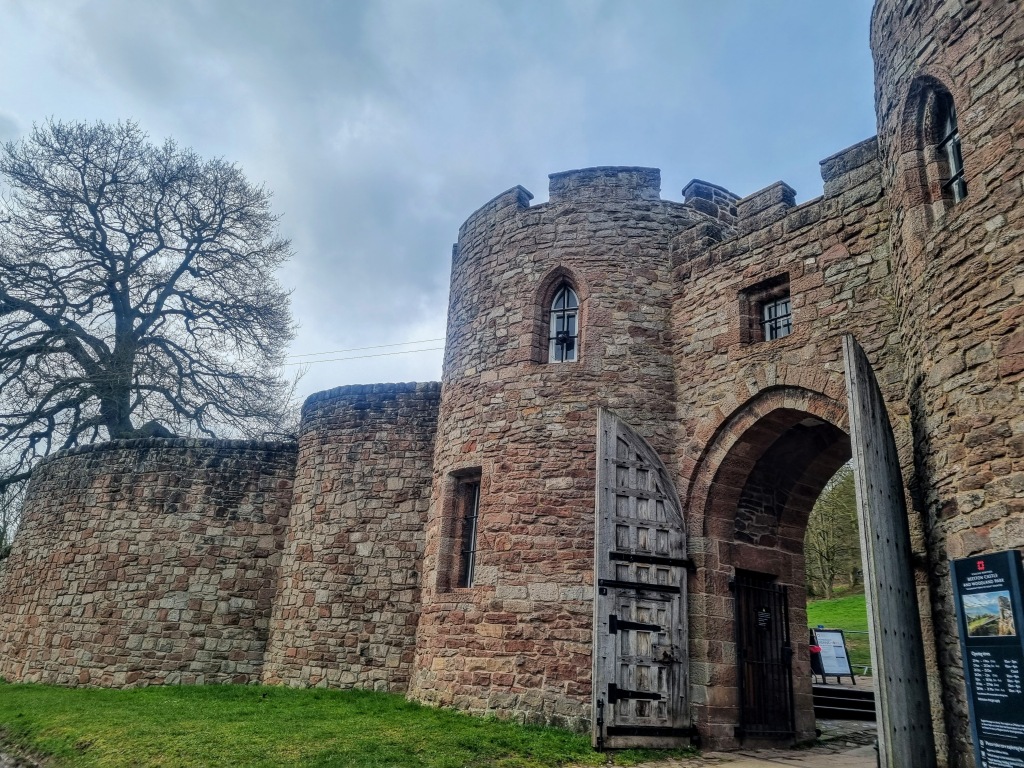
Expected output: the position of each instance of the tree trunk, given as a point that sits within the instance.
(115, 410)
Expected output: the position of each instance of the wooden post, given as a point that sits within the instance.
(901, 687)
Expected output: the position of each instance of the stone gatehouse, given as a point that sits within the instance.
(641, 399)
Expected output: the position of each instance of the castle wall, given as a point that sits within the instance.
(518, 642)
(959, 284)
(146, 561)
(348, 599)
(761, 422)
(182, 561)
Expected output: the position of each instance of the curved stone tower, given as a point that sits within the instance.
(521, 432)
(346, 605)
(948, 84)
(146, 561)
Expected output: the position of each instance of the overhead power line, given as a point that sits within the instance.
(360, 349)
(360, 357)
(114, 377)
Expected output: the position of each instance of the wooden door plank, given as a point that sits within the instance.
(638, 514)
(901, 698)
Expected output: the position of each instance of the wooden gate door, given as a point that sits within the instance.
(764, 655)
(897, 648)
(640, 659)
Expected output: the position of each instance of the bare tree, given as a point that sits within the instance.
(137, 293)
(10, 515)
(832, 542)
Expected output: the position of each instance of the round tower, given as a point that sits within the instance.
(948, 85)
(555, 310)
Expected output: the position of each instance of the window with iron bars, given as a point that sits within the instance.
(949, 148)
(563, 339)
(776, 318)
(469, 501)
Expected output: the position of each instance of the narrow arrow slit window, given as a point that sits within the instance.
(469, 501)
(949, 149)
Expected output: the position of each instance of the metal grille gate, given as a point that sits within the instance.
(764, 655)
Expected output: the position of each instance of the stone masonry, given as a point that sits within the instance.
(518, 642)
(147, 561)
(349, 592)
(959, 290)
(337, 562)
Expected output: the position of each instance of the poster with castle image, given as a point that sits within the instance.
(990, 605)
(989, 614)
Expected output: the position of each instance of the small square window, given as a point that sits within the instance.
(766, 311)
(776, 318)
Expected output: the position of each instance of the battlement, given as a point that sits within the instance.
(711, 199)
(365, 391)
(851, 167)
(765, 206)
(511, 200)
(605, 183)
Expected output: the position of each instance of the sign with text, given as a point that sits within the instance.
(834, 659)
(990, 618)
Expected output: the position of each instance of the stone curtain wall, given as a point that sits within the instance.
(760, 421)
(146, 561)
(348, 602)
(959, 288)
(518, 642)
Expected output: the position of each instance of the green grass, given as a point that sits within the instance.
(264, 726)
(840, 613)
(849, 614)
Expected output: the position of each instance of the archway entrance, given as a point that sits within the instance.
(752, 618)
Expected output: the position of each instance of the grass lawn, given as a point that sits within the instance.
(849, 614)
(270, 726)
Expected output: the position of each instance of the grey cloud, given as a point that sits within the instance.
(381, 125)
(9, 128)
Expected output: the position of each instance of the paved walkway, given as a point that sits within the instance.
(843, 744)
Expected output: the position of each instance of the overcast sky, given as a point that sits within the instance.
(381, 125)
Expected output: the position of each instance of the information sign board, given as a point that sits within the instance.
(990, 617)
(834, 658)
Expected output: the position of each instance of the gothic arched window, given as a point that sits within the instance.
(948, 148)
(564, 327)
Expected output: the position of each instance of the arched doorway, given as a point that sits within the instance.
(753, 493)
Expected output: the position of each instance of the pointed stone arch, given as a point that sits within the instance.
(542, 296)
(748, 502)
(770, 411)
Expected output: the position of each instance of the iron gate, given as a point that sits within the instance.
(764, 655)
